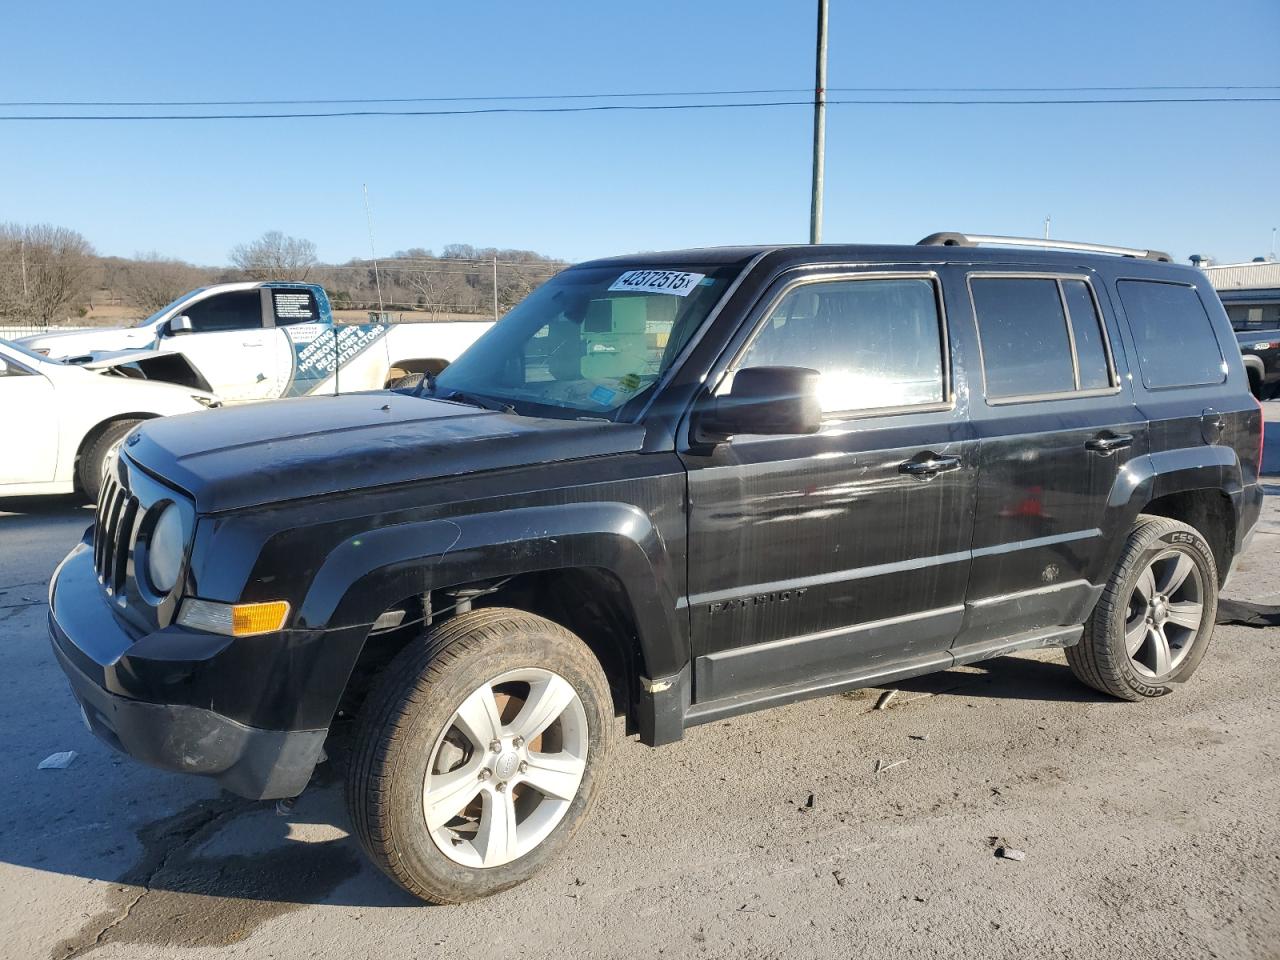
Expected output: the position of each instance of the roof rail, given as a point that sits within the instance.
(976, 239)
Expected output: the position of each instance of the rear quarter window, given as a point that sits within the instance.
(1173, 334)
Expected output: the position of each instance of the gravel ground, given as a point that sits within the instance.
(1148, 829)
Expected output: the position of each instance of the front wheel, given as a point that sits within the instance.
(1152, 625)
(96, 458)
(478, 755)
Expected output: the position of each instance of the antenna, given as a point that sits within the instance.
(1047, 218)
(377, 279)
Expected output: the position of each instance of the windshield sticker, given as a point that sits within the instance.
(658, 281)
(603, 396)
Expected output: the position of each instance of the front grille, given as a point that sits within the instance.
(113, 534)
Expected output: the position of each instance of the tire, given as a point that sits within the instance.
(405, 382)
(1134, 647)
(89, 471)
(411, 728)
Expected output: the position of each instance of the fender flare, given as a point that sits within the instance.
(1156, 475)
(368, 572)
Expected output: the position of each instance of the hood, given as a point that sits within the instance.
(157, 366)
(75, 343)
(265, 453)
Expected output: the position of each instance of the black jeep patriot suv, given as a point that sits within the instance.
(671, 487)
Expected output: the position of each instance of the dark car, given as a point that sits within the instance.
(1261, 352)
(672, 488)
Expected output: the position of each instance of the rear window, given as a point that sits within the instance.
(1040, 336)
(1173, 334)
(294, 306)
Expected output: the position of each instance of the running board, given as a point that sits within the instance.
(713, 710)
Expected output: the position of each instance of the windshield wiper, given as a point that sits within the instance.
(459, 396)
(471, 399)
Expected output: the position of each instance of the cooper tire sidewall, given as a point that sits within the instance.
(1194, 546)
(409, 755)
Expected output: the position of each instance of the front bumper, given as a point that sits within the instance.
(96, 654)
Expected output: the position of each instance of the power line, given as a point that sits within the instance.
(612, 107)
(628, 95)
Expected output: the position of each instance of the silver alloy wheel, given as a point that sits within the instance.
(1166, 611)
(506, 768)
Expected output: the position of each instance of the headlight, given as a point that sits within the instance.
(164, 550)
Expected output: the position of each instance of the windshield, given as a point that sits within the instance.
(590, 340)
(169, 306)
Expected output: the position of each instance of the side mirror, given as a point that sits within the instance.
(181, 324)
(765, 400)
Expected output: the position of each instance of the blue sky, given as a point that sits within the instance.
(1197, 178)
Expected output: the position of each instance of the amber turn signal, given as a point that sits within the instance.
(234, 619)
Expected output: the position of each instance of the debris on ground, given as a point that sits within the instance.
(1247, 614)
(57, 761)
(807, 805)
(1009, 853)
(841, 879)
(285, 806)
(881, 765)
(918, 736)
(883, 702)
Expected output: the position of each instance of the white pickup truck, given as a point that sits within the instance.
(263, 340)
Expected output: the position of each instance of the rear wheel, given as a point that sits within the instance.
(95, 457)
(478, 755)
(1152, 625)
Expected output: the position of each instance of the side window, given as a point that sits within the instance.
(877, 343)
(11, 368)
(240, 310)
(1025, 347)
(1039, 336)
(1173, 333)
(294, 306)
(1086, 326)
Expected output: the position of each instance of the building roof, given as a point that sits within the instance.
(1244, 276)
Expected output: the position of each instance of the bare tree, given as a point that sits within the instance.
(273, 256)
(150, 281)
(44, 269)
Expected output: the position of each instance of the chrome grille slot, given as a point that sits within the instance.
(117, 513)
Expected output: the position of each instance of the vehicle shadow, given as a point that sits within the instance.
(45, 507)
(1008, 678)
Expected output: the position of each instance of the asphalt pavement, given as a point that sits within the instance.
(823, 829)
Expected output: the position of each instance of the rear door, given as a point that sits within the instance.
(1056, 426)
(846, 551)
(304, 342)
(231, 344)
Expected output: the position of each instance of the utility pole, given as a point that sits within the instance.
(1047, 218)
(819, 127)
(495, 288)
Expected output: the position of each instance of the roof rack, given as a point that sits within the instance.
(976, 239)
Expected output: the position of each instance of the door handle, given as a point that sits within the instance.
(929, 467)
(250, 343)
(1107, 443)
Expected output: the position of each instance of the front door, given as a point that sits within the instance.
(28, 425)
(813, 558)
(1056, 427)
(230, 345)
